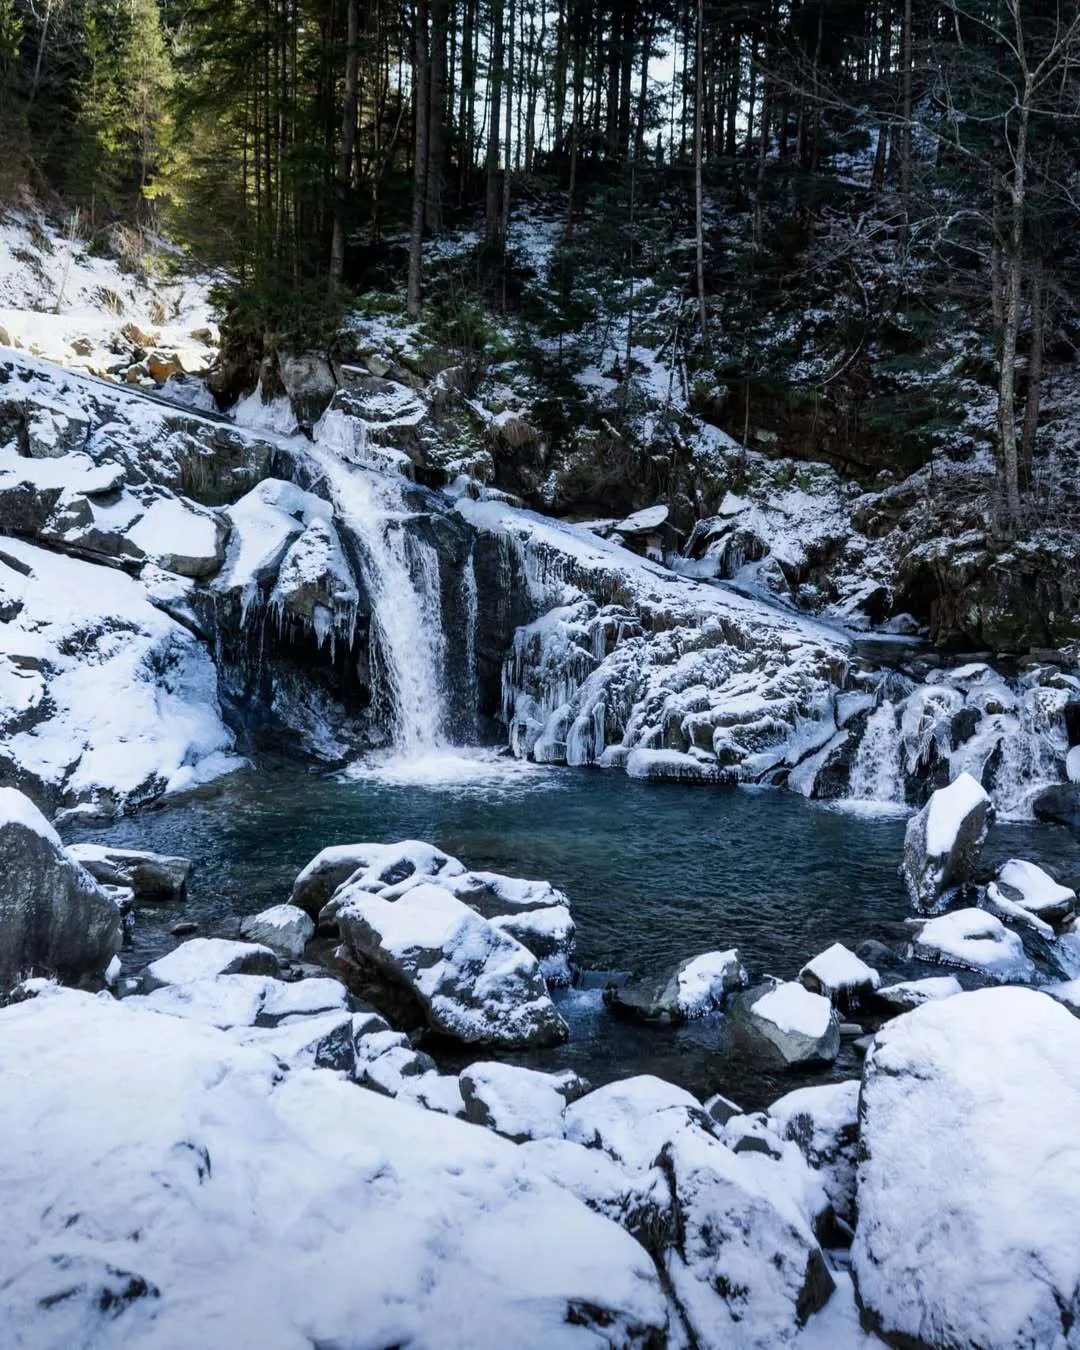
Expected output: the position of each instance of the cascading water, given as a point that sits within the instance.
(403, 583)
(875, 774)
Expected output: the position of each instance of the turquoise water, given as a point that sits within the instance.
(654, 873)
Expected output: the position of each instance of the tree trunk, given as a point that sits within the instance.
(348, 141)
(436, 149)
(1035, 364)
(420, 155)
(1013, 281)
(467, 105)
(495, 81)
(699, 232)
(504, 213)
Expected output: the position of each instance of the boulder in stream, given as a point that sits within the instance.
(1059, 805)
(151, 876)
(839, 975)
(691, 989)
(802, 1026)
(474, 982)
(975, 940)
(203, 958)
(943, 842)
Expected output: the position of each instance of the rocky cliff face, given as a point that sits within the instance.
(177, 590)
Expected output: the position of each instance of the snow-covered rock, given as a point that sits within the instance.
(969, 1178)
(549, 934)
(321, 1041)
(943, 842)
(377, 867)
(101, 694)
(151, 876)
(473, 981)
(517, 1102)
(744, 1267)
(353, 1216)
(802, 1026)
(840, 975)
(204, 958)
(908, 994)
(975, 940)
(691, 989)
(1027, 886)
(824, 1122)
(245, 1000)
(286, 929)
(53, 915)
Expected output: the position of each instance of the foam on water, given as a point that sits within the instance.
(461, 769)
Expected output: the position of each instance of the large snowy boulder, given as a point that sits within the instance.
(802, 1026)
(53, 915)
(943, 842)
(473, 981)
(694, 987)
(152, 876)
(239, 1000)
(355, 1220)
(743, 1264)
(549, 933)
(969, 1179)
(373, 867)
(974, 940)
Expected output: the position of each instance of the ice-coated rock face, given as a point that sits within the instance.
(204, 958)
(975, 940)
(693, 988)
(802, 1026)
(53, 915)
(517, 1102)
(474, 982)
(943, 842)
(284, 928)
(167, 1227)
(151, 876)
(969, 1178)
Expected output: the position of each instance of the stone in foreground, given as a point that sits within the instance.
(693, 988)
(473, 981)
(517, 1102)
(802, 1026)
(203, 958)
(943, 842)
(1024, 885)
(53, 915)
(286, 929)
(969, 1179)
(251, 1208)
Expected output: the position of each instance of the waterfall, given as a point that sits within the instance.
(471, 605)
(402, 575)
(875, 774)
